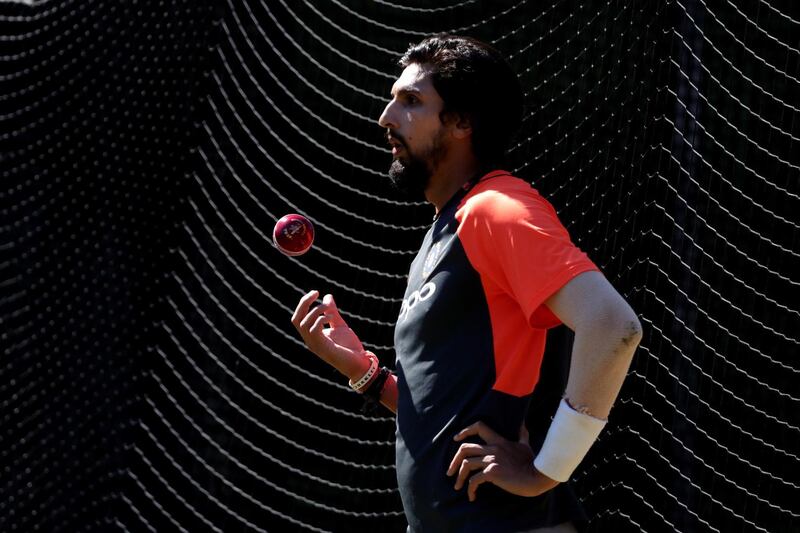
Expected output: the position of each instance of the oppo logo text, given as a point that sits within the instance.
(424, 292)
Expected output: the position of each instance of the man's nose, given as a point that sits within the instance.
(386, 119)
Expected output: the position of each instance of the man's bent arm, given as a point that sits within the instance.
(607, 333)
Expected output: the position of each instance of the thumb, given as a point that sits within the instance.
(336, 319)
(524, 436)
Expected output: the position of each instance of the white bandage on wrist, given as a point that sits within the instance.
(373, 369)
(569, 438)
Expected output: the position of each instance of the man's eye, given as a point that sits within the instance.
(412, 99)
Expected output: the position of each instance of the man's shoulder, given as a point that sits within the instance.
(503, 198)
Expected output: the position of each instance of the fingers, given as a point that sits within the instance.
(504, 463)
(302, 307)
(469, 465)
(319, 324)
(311, 317)
(482, 457)
(336, 318)
(467, 450)
(303, 320)
(310, 323)
(474, 482)
(482, 430)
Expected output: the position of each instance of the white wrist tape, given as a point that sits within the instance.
(569, 438)
(363, 380)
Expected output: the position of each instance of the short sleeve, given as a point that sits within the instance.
(515, 241)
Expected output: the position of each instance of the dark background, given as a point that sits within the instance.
(150, 378)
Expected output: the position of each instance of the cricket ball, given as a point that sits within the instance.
(293, 234)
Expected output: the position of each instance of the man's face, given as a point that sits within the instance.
(414, 130)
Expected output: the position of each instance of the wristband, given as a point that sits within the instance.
(363, 380)
(372, 394)
(569, 438)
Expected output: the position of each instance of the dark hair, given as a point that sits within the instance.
(476, 82)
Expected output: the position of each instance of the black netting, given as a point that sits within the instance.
(150, 378)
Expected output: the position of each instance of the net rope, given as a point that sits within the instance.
(151, 378)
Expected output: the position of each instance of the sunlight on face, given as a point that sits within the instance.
(414, 130)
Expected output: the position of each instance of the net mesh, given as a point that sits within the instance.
(150, 377)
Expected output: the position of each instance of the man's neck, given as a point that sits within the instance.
(445, 182)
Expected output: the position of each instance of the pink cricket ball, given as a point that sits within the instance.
(293, 234)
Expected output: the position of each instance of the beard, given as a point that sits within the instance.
(412, 175)
(410, 178)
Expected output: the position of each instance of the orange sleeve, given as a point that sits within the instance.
(514, 239)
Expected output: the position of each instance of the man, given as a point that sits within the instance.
(495, 271)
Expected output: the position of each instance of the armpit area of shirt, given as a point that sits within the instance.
(541, 316)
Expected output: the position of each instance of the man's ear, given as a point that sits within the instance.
(460, 125)
(463, 126)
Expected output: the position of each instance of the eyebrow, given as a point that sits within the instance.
(405, 91)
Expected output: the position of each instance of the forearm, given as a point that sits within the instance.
(389, 394)
(601, 355)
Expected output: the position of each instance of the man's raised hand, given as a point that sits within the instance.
(326, 333)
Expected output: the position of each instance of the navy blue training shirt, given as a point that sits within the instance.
(469, 340)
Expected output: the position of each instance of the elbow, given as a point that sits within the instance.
(627, 326)
(632, 332)
(622, 327)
